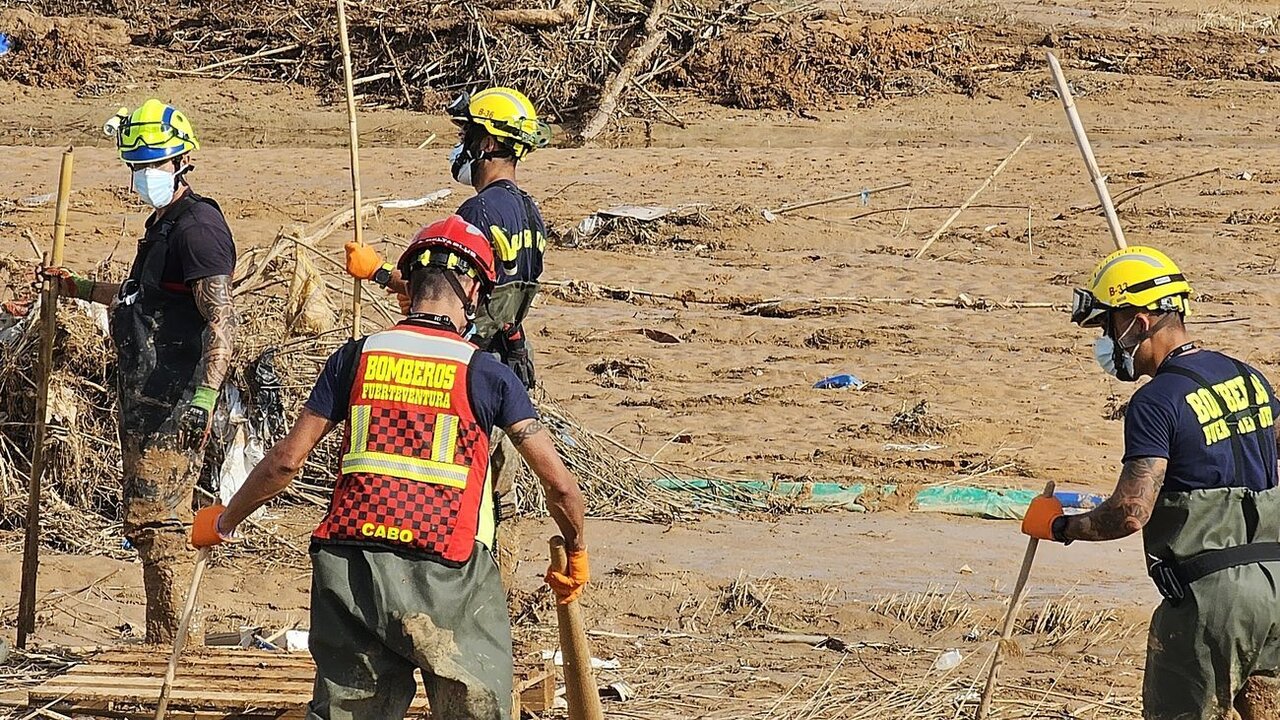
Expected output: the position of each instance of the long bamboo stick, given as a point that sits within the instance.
(1086, 150)
(946, 224)
(180, 640)
(358, 224)
(48, 327)
(1006, 631)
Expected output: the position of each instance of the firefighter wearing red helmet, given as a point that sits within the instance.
(404, 555)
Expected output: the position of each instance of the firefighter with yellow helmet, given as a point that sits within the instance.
(497, 128)
(173, 325)
(1199, 481)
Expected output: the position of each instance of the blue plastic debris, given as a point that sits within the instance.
(835, 382)
(4, 43)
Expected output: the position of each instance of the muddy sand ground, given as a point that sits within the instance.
(1012, 394)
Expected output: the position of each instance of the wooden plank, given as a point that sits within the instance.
(144, 684)
(189, 697)
(230, 659)
(306, 674)
(233, 682)
(105, 711)
(281, 698)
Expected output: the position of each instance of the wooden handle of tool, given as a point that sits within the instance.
(184, 625)
(1015, 600)
(49, 323)
(357, 305)
(1086, 150)
(579, 681)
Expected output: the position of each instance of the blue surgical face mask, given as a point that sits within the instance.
(460, 162)
(155, 186)
(1114, 359)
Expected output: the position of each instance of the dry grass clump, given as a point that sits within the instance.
(932, 611)
(748, 601)
(917, 421)
(82, 458)
(1066, 619)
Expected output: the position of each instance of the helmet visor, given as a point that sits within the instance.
(460, 109)
(1086, 311)
(132, 135)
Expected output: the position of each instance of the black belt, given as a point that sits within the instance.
(1172, 579)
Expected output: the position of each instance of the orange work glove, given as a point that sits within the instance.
(568, 587)
(204, 530)
(362, 260)
(1042, 519)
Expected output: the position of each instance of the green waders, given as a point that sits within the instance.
(377, 615)
(1202, 647)
(508, 304)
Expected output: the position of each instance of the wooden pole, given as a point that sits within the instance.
(180, 641)
(1086, 150)
(356, 304)
(1015, 600)
(48, 328)
(638, 56)
(579, 681)
(947, 223)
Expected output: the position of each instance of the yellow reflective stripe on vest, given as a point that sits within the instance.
(405, 468)
(487, 528)
(360, 415)
(445, 442)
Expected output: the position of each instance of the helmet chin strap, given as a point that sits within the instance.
(467, 307)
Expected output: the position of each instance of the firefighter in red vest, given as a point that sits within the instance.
(403, 574)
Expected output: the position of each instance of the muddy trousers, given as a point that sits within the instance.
(1201, 652)
(376, 616)
(156, 487)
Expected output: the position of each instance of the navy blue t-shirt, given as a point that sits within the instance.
(498, 398)
(1216, 431)
(200, 246)
(511, 221)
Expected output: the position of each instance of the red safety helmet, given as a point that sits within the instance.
(453, 244)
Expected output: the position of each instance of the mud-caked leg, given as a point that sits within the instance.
(157, 488)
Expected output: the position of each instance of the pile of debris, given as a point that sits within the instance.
(574, 58)
(409, 53)
(804, 64)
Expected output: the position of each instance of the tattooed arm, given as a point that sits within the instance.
(1129, 507)
(564, 498)
(213, 297)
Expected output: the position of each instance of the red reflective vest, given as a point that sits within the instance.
(415, 461)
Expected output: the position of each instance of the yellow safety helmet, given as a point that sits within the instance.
(1138, 277)
(504, 113)
(152, 133)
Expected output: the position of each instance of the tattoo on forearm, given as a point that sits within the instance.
(1129, 507)
(519, 436)
(213, 298)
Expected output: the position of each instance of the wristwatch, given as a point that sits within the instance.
(382, 275)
